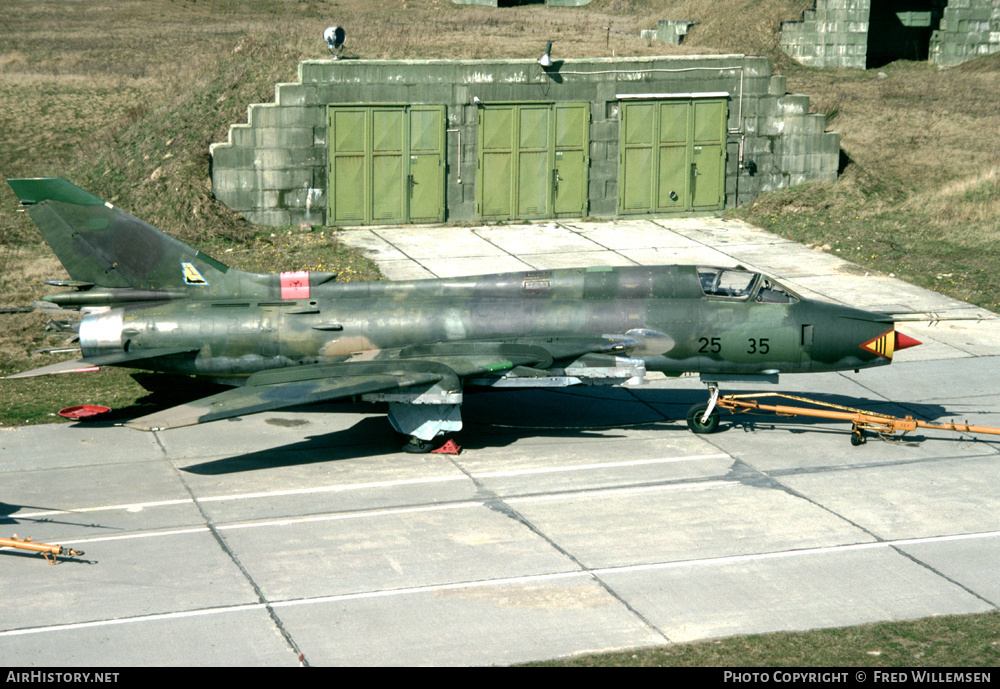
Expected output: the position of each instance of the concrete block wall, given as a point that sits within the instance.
(968, 29)
(833, 34)
(274, 169)
(789, 145)
(670, 31)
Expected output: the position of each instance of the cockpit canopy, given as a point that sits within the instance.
(742, 284)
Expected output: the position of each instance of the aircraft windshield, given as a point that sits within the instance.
(727, 282)
(772, 293)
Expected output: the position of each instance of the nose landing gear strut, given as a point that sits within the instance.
(704, 416)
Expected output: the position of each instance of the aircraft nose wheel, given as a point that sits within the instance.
(696, 419)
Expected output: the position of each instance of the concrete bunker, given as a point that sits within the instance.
(867, 34)
(397, 141)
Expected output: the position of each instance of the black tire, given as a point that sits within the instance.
(694, 419)
(858, 438)
(417, 446)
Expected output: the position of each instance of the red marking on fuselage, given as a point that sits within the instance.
(295, 284)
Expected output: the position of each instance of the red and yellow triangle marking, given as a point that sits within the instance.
(886, 344)
(883, 345)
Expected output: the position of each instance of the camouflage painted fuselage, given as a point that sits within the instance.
(675, 325)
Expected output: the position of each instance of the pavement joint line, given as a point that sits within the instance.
(937, 572)
(350, 515)
(798, 552)
(579, 233)
(136, 507)
(224, 546)
(602, 465)
(504, 251)
(479, 503)
(591, 573)
(418, 509)
(132, 507)
(330, 489)
(147, 534)
(128, 620)
(602, 247)
(507, 508)
(605, 492)
(408, 257)
(434, 588)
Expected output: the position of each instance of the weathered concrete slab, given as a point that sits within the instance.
(788, 592)
(547, 238)
(488, 623)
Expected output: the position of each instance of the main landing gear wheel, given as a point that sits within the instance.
(695, 415)
(417, 446)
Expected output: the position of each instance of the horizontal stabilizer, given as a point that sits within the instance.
(91, 363)
(32, 191)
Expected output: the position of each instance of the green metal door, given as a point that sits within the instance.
(635, 180)
(387, 150)
(426, 176)
(496, 157)
(533, 155)
(672, 155)
(673, 176)
(532, 160)
(709, 154)
(386, 164)
(572, 160)
(348, 166)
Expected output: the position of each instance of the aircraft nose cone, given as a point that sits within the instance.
(904, 341)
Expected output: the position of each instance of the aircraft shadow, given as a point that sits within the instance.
(498, 418)
(7, 510)
(8, 515)
(495, 419)
(369, 437)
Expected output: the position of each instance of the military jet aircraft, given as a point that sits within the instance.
(280, 340)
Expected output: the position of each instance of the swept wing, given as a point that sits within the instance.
(442, 366)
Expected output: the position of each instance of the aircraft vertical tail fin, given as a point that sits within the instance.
(102, 245)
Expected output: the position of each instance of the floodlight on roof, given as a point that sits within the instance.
(335, 37)
(546, 59)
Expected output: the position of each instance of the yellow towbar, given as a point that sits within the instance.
(48, 551)
(861, 421)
